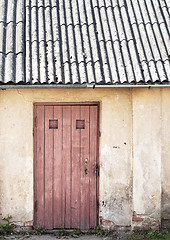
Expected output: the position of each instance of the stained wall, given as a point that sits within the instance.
(133, 151)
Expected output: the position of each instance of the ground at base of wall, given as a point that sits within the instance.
(163, 234)
(52, 237)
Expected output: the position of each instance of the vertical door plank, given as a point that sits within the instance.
(39, 200)
(67, 164)
(35, 163)
(85, 178)
(58, 186)
(48, 168)
(75, 200)
(93, 158)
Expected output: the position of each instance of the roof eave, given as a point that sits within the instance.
(67, 86)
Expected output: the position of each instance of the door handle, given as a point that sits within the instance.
(86, 166)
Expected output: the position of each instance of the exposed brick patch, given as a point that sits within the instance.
(137, 218)
(109, 225)
(29, 224)
(144, 222)
(141, 222)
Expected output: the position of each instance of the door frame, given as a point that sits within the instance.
(34, 147)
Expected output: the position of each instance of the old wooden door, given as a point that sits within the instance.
(66, 165)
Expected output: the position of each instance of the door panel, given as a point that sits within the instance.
(84, 159)
(65, 152)
(48, 168)
(39, 166)
(75, 208)
(67, 165)
(93, 171)
(58, 169)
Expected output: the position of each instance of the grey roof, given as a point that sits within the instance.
(12, 40)
(84, 41)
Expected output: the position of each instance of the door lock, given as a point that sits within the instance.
(86, 167)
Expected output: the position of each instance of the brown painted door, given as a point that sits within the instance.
(66, 160)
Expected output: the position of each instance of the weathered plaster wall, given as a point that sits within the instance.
(16, 148)
(147, 154)
(134, 152)
(115, 158)
(15, 156)
(166, 154)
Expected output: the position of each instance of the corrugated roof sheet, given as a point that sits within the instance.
(84, 41)
(12, 41)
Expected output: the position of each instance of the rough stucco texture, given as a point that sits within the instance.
(16, 148)
(166, 154)
(147, 152)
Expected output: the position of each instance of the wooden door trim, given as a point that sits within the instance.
(34, 164)
(35, 150)
(66, 103)
(98, 162)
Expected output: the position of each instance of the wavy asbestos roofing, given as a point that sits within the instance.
(84, 41)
